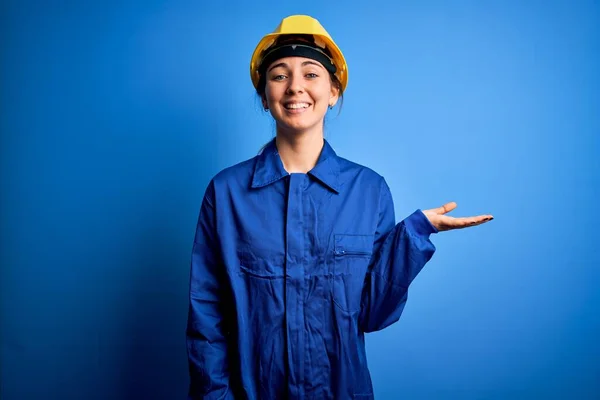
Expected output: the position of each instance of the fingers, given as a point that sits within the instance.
(472, 221)
(465, 222)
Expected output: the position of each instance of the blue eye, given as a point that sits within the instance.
(312, 75)
(278, 77)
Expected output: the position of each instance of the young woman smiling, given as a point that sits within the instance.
(297, 253)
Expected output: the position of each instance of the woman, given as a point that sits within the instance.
(297, 253)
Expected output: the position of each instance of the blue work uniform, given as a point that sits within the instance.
(288, 273)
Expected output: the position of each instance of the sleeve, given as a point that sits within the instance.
(400, 251)
(206, 333)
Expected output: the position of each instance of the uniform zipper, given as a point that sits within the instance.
(339, 252)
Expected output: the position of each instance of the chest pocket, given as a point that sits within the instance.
(268, 265)
(352, 254)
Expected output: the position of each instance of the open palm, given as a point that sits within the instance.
(443, 222)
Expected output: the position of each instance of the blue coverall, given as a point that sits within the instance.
(288, 273)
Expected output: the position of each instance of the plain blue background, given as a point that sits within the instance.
(115, 116)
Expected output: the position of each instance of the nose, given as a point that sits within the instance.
(295, 84)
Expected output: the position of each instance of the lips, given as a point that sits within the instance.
(296, 107)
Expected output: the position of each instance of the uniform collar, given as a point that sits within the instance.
(269, 168)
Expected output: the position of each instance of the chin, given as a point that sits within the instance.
(299, 128)
(299, 125)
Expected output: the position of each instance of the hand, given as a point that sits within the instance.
(445, 223)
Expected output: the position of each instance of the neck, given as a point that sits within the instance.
(299, 152)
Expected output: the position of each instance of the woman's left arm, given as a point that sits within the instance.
(400, 252)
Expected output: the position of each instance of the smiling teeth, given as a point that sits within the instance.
(297, 105)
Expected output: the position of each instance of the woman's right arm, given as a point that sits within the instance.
(206, 333)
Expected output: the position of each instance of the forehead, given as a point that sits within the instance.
(293, 62)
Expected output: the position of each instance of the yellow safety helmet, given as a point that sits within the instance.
(301, 25)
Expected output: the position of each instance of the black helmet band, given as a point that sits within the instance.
(296, 50)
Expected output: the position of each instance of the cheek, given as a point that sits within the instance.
(321, 94)
(272, 94)
(321, 100)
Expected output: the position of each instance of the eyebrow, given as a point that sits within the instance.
(282, 64)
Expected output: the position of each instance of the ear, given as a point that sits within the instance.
(334, 96)
(264, 103)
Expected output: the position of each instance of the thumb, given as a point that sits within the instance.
(446, 208)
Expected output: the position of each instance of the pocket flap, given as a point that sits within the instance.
(351, 244)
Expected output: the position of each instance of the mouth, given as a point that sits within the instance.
(296, 107)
